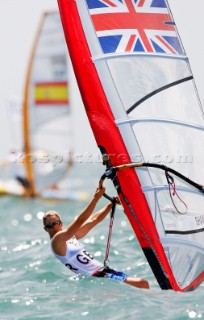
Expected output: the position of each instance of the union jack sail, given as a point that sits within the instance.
(139, 26)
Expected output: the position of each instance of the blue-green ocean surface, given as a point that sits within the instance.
(34, 285)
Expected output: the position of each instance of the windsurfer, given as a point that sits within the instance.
(66, 247)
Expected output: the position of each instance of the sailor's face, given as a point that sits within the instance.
(53, 223)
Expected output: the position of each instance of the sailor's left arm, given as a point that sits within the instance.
(93, 221)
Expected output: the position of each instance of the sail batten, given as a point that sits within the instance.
(118, 55)
(158, 188)
(169, 121)
(142, 102)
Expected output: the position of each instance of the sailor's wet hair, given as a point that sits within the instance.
(49, 214)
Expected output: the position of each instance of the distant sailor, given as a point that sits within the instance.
(66, 247)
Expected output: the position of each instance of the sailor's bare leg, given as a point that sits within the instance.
(137, 282)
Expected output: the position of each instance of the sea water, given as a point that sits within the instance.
(34, 285)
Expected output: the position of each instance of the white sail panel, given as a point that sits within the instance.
(166, 125)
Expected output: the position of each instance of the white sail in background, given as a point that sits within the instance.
(47, 113)
(42, 126)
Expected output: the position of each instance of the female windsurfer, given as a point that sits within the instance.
(66, 247)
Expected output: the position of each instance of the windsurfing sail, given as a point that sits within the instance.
(143, 106)
(46, 109)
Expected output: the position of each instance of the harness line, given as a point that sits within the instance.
(112, 215)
